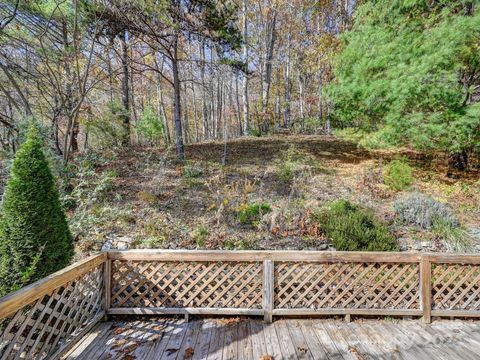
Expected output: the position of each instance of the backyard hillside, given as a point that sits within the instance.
(270, 194)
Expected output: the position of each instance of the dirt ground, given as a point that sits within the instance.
(152, 201)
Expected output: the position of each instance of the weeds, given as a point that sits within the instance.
(397, 175)
(251, 214)
(199, 235)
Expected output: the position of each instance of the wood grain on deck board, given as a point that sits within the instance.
(219, 339)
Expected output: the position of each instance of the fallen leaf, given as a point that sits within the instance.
(188, 353)
(302, 349)
(119, 343)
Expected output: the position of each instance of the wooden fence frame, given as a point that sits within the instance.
(269, 258)
(466, 265)
(15, 306)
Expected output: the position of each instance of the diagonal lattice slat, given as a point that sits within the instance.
(41, 328)
(186, 284)
(456, 287)
(347, 286)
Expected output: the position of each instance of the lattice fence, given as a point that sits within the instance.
(347, 286)
(456, 287)
(186, 284)
(49, 323)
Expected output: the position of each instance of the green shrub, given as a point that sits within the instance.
(285, 171)
(352, 228)
(289, 159)
(254, 132)
(34, 235)
(397, 175)
(192, 171)
(423, 211)
(251, 214)
(150, 126)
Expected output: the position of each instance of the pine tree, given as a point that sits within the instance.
(412, 69)
(34, 236)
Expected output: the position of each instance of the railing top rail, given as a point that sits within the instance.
(24, 296)
(287, 255)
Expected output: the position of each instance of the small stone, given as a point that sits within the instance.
(323, 247)
(122, 243)
(331, 248)
(403, 247)
(107, 245)
(425, 244)
(417, 247)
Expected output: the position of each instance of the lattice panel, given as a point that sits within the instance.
(346, 286)
(456, 287)
(41, 328)
(186, 284)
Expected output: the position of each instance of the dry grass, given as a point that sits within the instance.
(156, 190)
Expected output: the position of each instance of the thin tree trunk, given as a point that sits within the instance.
(125, 90)
(246, 119)
(177, 111)
(272, 35)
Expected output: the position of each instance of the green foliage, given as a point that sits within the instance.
(192, 170)
(200, 234)
(285, 171)
(352, 228)
(254, 132)
(150, 126)
(405, 65)
(106, 131)
(33, 227)
(423, 211)
(251, 214)
(239, 244)
(287, 164)
(149, 243)
(397, 175)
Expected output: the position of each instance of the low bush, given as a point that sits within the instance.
(254, 132)
(397, 175)
(289, 159)
(352, 228)
(423, 211)
(192, 171)
(251, 214)
(285, 171)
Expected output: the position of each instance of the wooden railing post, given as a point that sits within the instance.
(268, 289)
(107, 274)
(426, 288)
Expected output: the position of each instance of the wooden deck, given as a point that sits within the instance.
(173, 338)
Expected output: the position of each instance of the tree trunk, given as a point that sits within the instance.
(125, 90)
(272, 35)
(245, 76)
(287, 121)
(177, 112)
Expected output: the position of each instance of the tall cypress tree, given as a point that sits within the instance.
(34, 236)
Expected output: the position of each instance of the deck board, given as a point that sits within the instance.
(222, 339)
